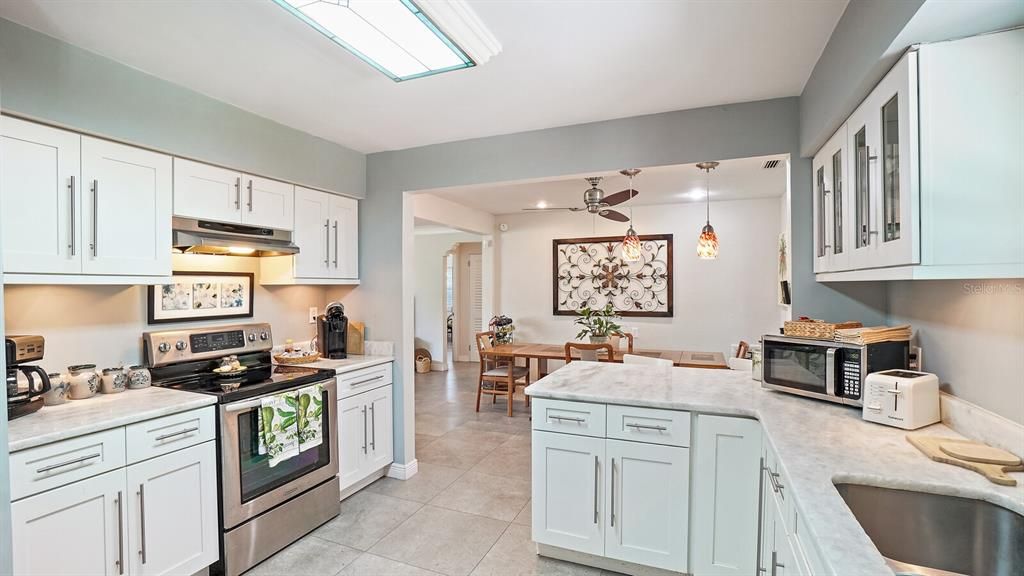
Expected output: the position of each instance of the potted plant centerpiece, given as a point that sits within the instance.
(597, 324)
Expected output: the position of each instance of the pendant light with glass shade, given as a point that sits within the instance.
(631, 251)
(707, 243)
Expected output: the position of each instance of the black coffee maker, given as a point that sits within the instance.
(332, 332)
(27, 398)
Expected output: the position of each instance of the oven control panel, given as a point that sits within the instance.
(173, 346)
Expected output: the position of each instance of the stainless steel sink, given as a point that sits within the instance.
(932, 534)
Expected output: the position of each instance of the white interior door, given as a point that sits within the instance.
(568, 487)
(476, 301)
(207, 192)
(127, 215)
(74, 529)
(648, 504)
(344, 241)
(312, 233)
(172, 512)
(41, 196)
(268, 203)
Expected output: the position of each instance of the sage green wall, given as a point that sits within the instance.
(53, 81)
(687, 136)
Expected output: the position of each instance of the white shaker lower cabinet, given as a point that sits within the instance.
(172, 512)
(74, 529)
(568, 491)
(724, 517)
(648, 501)
(364, 437)
(617, 501)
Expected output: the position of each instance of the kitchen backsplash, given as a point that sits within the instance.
(104, 324)
(972, 333)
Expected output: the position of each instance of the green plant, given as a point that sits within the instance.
(599, 323)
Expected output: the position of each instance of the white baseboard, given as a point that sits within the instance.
(403, 471)
(437, 366)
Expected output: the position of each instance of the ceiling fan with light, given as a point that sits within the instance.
(595, 202)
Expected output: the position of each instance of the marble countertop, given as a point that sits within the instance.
(101, 412)
(818, 444)
(353, 362)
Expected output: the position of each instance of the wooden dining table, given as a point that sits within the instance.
(544, 352)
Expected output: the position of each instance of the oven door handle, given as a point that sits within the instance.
(240, 406)
(830, 372)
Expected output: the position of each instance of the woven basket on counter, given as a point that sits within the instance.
(815, 329)
(306, 359)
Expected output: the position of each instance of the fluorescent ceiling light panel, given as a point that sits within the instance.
(393, 36)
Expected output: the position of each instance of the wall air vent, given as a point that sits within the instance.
(769, 164)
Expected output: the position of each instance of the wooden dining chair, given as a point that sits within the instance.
(589, 352)
(498, 373)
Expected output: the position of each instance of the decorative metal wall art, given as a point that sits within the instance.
(591, 272)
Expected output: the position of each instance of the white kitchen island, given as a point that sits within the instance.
(714, 475)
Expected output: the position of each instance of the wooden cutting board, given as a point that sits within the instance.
(355, 338)
(942, 450)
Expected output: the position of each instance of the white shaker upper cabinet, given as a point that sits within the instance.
(126, 209)
(207, 192)
(75, 529)
(312, 233)
(41, 198)
(345, 237)
(268, 203)
(831, 228)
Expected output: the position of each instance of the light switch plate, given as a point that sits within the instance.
(312, 314)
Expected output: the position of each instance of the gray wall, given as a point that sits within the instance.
(719, 133)
(851, 64)
(53, 81)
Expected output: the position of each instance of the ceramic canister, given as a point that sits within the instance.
(58, 392)
(83, 381)
(139, 377)
(113, 381)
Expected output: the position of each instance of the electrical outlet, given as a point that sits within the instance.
(312, 314)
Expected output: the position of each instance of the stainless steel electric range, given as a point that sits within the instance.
(262, 508)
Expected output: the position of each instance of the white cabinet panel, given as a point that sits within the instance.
(568, 488)
(583, 418)
(647, 499)
(268, 203)
(726, 471)
(380, 452)
(207, 192)
(127, 209)
(41, 198)
(312, 233)
(353, 443)
(75, 529)
(344, 215)
(172, 512)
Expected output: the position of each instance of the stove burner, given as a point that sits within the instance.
(258, 379)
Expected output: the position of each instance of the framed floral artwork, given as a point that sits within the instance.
(201, 296)
(592, 272)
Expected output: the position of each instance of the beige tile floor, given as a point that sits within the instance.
(467, 511)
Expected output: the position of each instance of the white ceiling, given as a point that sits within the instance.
(732, 180)
(563, 62)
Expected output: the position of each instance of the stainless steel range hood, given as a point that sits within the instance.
(193, 236)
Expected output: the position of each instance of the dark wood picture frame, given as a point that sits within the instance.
(615, 244)
(152, 295)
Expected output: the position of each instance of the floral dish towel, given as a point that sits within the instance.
(279, 432)
(310, 416)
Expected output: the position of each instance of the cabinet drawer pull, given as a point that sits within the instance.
(366, 380)
(71, 192)
(647, 427)
(249, 202)
(120, 535)
(596, 471)
(567, 419)
(178, 433)
(68, 463)
(142, 521)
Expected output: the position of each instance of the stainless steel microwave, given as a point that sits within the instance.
(827, 370)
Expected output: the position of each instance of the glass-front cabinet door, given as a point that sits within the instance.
(862, 145)
(895, 107)
(822, 211)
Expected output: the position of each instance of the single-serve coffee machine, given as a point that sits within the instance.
(26, 383)
(332, 332)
